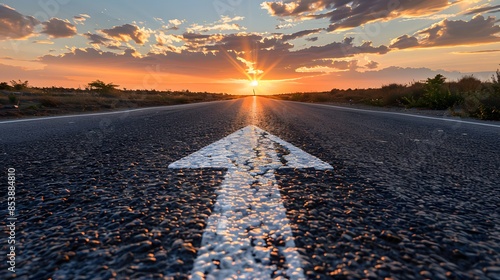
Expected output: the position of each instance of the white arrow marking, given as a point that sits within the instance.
(248, 235)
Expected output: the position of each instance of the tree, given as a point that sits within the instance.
(496, 83)
(19, 85)
(437, 96)
(4, 86)
(102, 87)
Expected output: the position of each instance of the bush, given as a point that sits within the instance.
(4, 86)
(468, 84)
(436, 96)
(393, 87)
(49, 102)
(19, 85)
(13, 99)
(496, 83)
(488, 109)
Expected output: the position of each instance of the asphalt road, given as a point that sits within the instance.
(410, 197)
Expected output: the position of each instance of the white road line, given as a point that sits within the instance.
(77, 116)
(170, 107)
(248, 227)
(409, 115)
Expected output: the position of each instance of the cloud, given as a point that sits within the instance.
(163, 39)
(80, 19)
(166, 43)
(345, 64)
(482, 10)
(302, 33)
(250, 66)
(372, 65)
(44, 42)
(58, 28)
(217, 55)
(224, 24)
(344, 14)
(331, 65)
(128, 32)
(404, 42)
(97, 39)
(478, 52)
(14, 25)
(478, 30)
(174, 24)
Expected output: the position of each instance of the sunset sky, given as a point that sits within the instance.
(222, 45)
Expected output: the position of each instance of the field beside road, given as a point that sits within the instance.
(467, 97)
(47, 102)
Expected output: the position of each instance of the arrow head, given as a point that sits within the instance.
(250, 144)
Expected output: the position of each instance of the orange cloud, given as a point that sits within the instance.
(128, 32)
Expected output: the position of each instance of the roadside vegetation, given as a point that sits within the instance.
(467, 97)
(18, 99)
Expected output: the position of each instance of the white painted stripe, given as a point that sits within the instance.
(222, 154)
(170, 107)
(78, 116)
(408, 115)
(249, 218)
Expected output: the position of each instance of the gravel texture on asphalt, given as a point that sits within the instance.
(408, 198)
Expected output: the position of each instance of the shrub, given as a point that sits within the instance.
(4, 86)
(393, 87)
(496, 83)
(413, 102)
(19, 85)
(488, 109)
(437, 96)
(49, 102)
(102, 87)
(468, 84)
(13, 99)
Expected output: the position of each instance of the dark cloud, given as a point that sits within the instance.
(372, 65)
(483, 9)
(97, 39)
(80, 19)
(58, 28)
(478, 30)
(481, 51)
(302, 33)
(14, 25)
(312, 39)
(344, 14)
(345, 48)
(345, 65)
(128, 32)
(218, 56)
(404, 42)
(195, 36)
(248, 43)
(459, 32)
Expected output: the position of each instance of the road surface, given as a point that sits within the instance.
(409, 197)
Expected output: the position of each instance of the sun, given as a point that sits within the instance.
(254, 83)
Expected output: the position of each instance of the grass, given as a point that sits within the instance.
(54, 101)
(467, 97)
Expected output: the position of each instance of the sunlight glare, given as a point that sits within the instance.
(254, 83)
